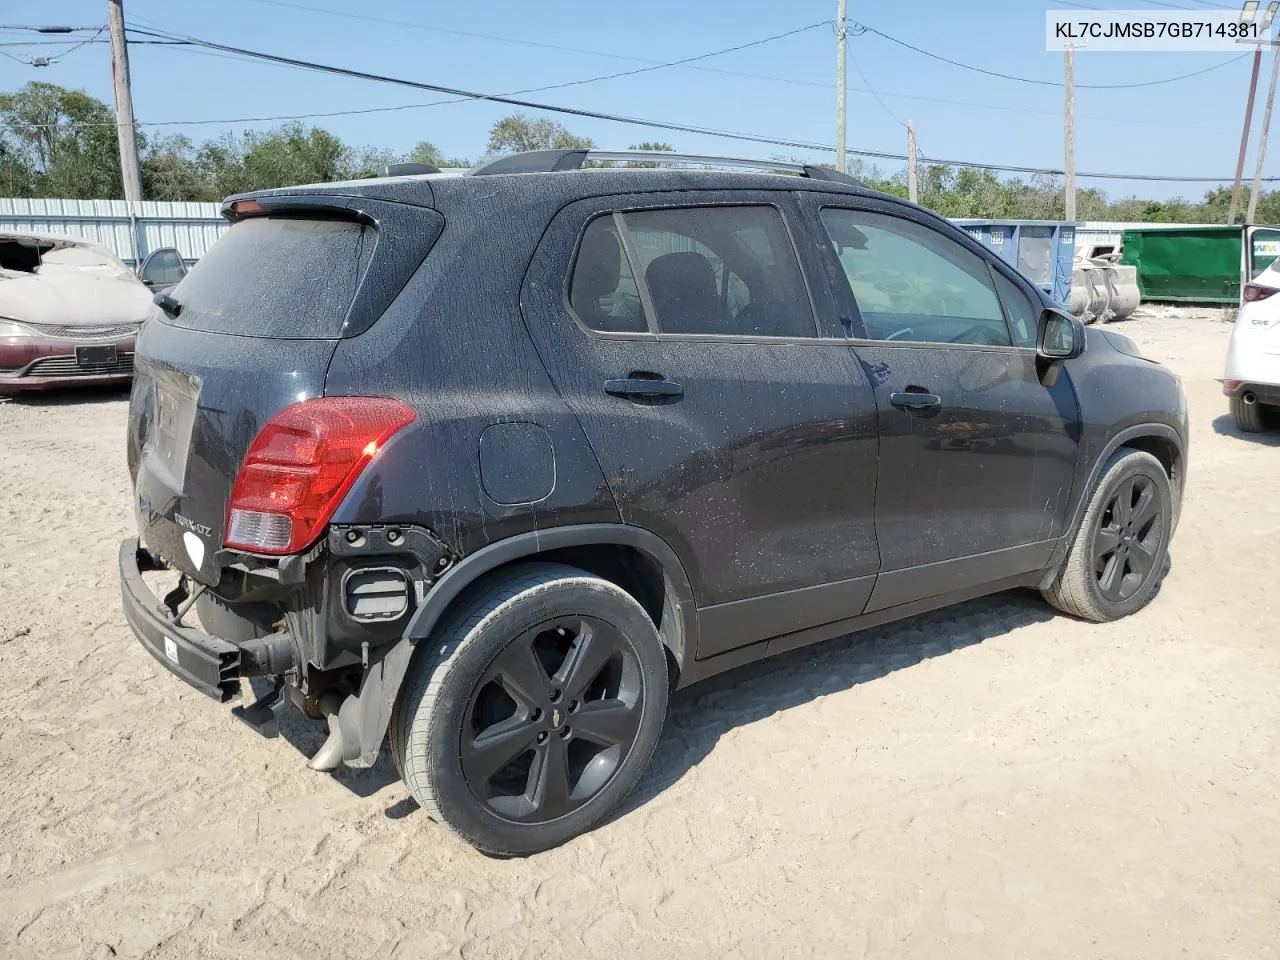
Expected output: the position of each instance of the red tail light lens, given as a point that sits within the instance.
(301, 465)
(1253, 292)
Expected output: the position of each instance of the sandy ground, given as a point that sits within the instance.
(992, 781)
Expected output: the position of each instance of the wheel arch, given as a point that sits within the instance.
(637, 560)
(1158, 439)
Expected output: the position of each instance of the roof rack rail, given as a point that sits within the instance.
(407, 169)
(550, 161)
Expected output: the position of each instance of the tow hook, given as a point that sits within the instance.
(329, 757)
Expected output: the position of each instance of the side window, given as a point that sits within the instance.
(603, 290)
(1023, 317)
(913, 283)
(727, 270)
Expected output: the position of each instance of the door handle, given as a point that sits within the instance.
(915, 401)
(632, 387)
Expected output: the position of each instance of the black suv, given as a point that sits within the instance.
(494, 462)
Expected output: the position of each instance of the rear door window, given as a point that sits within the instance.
(728, 270)
(280, 277)
(603, 291)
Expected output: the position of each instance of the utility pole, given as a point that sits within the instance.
(124, 102)
(1069, 128)
(913, 191)
(840, 113)
(1244, 137)
(1262, 136)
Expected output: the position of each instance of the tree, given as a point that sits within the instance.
(171, 171)
(16, 178)
(221, 162)
(430, 154)
(371, 161)
(290, 156)
(649, 146)
(284, 157)
(65, 139)
(517, 133)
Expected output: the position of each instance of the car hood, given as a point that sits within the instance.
(72, 299)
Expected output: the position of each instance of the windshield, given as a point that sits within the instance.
(25, 255)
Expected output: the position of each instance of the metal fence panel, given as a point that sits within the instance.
(129, 230)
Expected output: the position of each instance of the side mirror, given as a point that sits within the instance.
(1060, 337)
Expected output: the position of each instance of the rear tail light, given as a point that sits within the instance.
(301, 465)
(1253, 292)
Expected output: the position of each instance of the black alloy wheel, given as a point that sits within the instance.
(552, 719)
(534, 708)
(1120, 551)
(1129, 540)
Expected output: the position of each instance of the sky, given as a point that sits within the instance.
(1191, 127)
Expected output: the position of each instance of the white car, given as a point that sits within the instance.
(70, 310)
(1252, 379)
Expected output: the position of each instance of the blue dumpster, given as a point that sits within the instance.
(1041, 250)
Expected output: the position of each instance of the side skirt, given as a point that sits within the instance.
(709, 667)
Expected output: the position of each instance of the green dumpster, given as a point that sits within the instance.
(1201, 264)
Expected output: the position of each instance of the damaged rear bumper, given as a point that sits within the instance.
(210, 664)
(214, 666)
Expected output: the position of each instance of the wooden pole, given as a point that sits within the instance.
(913, 192)
(1069, 129)
(1244, 137)
(841, 161)
(125, 132)
(1262, 136)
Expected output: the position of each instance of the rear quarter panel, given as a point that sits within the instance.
(453, 345)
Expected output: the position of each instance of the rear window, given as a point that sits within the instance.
(279, 277)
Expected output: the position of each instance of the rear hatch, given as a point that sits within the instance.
(250, 330)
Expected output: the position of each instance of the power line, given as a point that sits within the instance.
(678, 63)
(49, 28)
(868, 89)
(861, 28)
(568, 83)
(431, 28)
(169, 39)
(637, 121)
(541, 89)
(883, 106)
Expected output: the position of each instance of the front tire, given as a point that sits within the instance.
(1248, 416)
(533, 711)
(1118, 557)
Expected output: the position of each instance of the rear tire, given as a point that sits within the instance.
(1248, 416)
(533, 710)
(1119, 555)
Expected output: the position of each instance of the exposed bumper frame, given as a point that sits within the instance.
(208, 663)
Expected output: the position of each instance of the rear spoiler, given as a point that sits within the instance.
(348, 199)
(316, 205)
